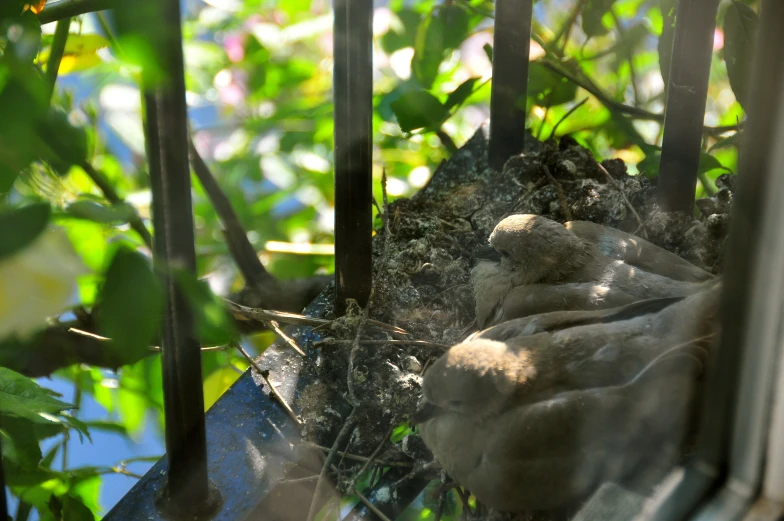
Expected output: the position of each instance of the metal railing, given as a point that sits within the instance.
(248, 433)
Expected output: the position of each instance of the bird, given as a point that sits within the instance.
(554, 452)
(525, 414)
(538, 265)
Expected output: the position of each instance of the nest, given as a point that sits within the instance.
(422, 261)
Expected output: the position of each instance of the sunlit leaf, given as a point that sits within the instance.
(37, 6)
(214, 326)
(740, 32)
(92, 211)
(429, 46)
(592, 15)
(20, 396)
(217, 383)
(418, 109)
(19, 442)
(548, 88)
(130, 302)
(19, 227)
(461, 93)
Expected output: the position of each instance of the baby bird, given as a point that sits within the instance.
(534, 413)
(546, 266)
(553, 452)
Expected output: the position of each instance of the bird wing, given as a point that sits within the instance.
(637, 252)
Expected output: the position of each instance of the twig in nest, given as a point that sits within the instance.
(290, 341)
(373, 508)
(372, 457)
(347, 426)
(419, 469)
(464, 499)
(274, 392)
(440, 509)
(559, 190)
(265, 315)
(625, 199)
(154, 349)
(423, 343)
(357, 457)
(352, 397)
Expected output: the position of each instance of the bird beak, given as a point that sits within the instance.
(426, 411)
(487, 252)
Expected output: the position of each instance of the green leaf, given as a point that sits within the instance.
(20, 444)
(456, 24)
(740, 31)
(214, 326)
(461, 93)
(21, 226)
(592, 15)
(730, 141)
(488, 51)
(429, 47)
(402, 31)
(418, 109)
(667, 37)
(547, 88)
(93, 211)
(130, 303)
(21, 397)
(217, 383)
(65, 144)
(69, 508)
(708, 163)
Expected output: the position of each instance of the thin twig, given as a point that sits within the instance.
(563, 118)
(464, 499)
(347, 426)
(446, 141)
(56, 53)
(290, 341)
(625, 199)
(357, 457)
(418, 469)
(264, 315)
(373, 508)
(273, 392)
(560, 192)
(373, 455)
(423, 343)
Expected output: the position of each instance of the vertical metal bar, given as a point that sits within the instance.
(757, 169)
(353, 94)
(167, 147)
(511, 44)
(695, 22)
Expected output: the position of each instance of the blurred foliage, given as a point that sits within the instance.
(258, 74)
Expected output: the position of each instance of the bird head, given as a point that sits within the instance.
(537, 248)
(475, 378)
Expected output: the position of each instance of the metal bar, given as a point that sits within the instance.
(511, 44)
(695, 22)
(353, 94)
(55, 11)
(757, 171)
(167, 147)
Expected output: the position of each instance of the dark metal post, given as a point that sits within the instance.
(511, 44)
(167, 148)
(353, 96)
(695, 22)
(757, 169)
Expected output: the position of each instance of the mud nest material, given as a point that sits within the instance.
(422, 268)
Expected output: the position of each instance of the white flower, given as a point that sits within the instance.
(37, 282)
